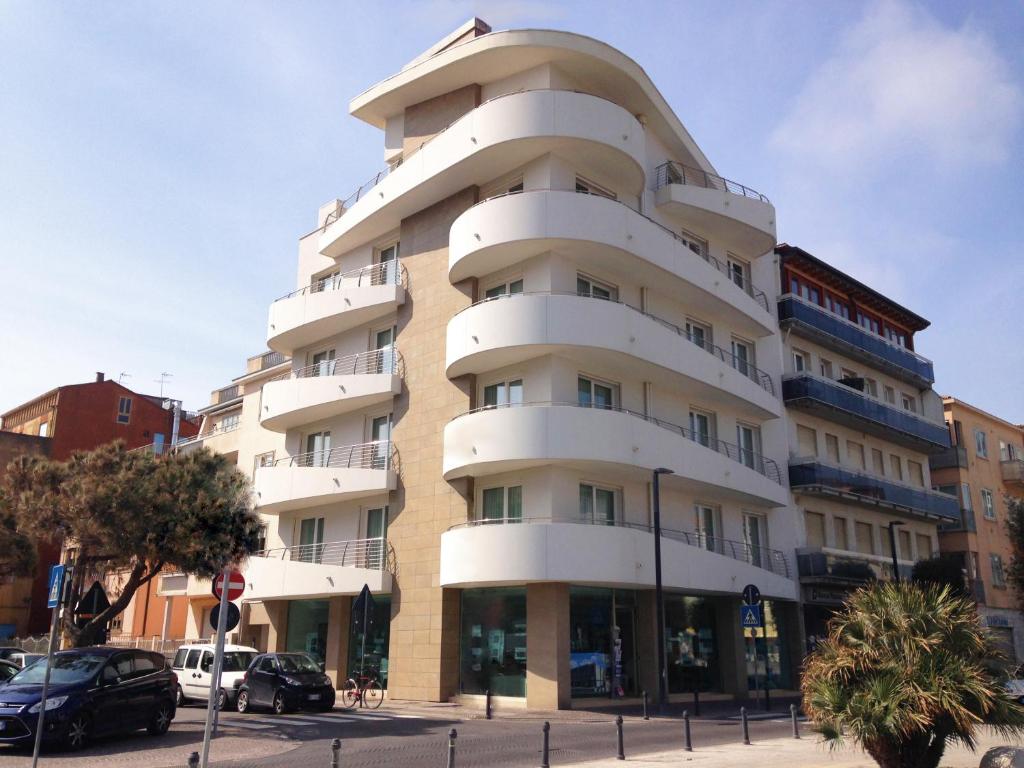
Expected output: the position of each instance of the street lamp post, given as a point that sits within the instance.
(659, 602)
(892, 546)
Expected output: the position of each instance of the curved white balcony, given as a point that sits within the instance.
(722, 209)
(567, 550)
(333, 305)
(318, 570)
(492, 139)
(330, 388)
(494, 440)
(510, 329)
(324, 477)
(508, 229)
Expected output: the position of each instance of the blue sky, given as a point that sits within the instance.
(158, 161)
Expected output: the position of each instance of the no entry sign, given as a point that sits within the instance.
(236, 585)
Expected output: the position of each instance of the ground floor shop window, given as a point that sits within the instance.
(377, 637)
(602, 649)
(773, 638)
(691, 644)
(493, 641)
(307, 627)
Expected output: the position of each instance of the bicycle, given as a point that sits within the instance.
(367, 692)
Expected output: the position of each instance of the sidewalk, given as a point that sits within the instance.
(784, 753)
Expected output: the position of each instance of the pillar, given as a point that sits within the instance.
(277, 621)
(647, 643)
(548, 684)
(338, 626)
(731, 647)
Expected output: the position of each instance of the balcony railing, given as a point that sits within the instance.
(744, 456)
(846, 336)
(677, 173)
(817, 565)
(964, 522)
(385, 360)
(745, 368)
(1013, 471)
(812, 476)
(883, 419)
(227, 393)
(954, 456)
(772, 560)
(373, 554)
(375, 455)
(385, 273)
(221, 428)
(270, 359)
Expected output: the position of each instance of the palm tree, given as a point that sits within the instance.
(907, 669)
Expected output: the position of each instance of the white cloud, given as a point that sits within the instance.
(899, 81)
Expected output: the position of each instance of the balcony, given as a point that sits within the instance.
(330, 388)
(618, 338)
(818, 324)
(1012, 471)
(504, 230)
(964, 523)
(319, 570)
(820, 566)
(491, 140)
(954, 456)
(325, 477)
(214, 438)
(494, 553)
(334, 305)
(494, 440)
(818, 478)
(717, 207)
(850, 407)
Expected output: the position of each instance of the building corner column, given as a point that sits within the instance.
(339, 614)
(548, 683)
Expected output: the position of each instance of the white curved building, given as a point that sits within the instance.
(579, 299)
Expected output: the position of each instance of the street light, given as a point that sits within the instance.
(892, 545)
(659, 603)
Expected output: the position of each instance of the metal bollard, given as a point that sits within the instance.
(193, 760)
(686, 730)
(451, 748)
(545, 761)
(646, 716)
(336, 753)
(792, 716)
(487, 705)
(621, 754)
(746, 728)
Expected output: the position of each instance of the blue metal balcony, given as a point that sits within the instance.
(845, 405)
(868, 490)
(820, 325)
(964, 522)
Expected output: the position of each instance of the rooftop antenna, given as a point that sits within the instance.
(164, 378)
(123, 376)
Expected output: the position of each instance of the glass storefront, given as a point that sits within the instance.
(691, 643)
(773, 638)
(493, 641)
(602, 648)
(376, 660)
(307, 627)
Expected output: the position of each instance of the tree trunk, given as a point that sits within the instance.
(86, 635)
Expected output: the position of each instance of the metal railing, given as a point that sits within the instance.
(375, 455)
(228, 393)
(773, 560)
(385, 360)
(748, 458)
(744, 367)
(677, 173)
(270, 359)
(358, 553)
(384, 273)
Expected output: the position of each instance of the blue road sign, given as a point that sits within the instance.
(750, 617)
(56, 587)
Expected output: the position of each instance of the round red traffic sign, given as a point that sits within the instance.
(236, 585)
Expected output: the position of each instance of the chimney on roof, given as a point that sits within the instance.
(99, 376)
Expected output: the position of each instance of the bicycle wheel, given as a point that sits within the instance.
(349, 693)
(373, 695)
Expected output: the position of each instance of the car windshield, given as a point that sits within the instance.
(237, 661)
(297, 663)
(67, 668)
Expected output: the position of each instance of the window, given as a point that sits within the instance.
(517, 187)
(837, 306)
(877, 462)
(596, 394)
(865, 538)
(44, 429)
(903, 542)
(699, 333)
(322, 363)
(702, 426)
(965, 497)
(124, 410)
(988, 507)
(387, 272)
(909, 403)
(867, 322)
(832, 448)
(825, 368)
(998, 577)
(324, 282)
(597, 504)
(311, 540)
(377, 523)
(924, 547)
(267, 664)
(749, 440)
(318, 450)
(587, 286)
(738, 270)
(815, 522)
(755, 538)
(855, 455)
(896, 466)
(380, 433)
(871, 387)
(503, 393)
(230, 422)
(980, 444)
(263, 460)
(742, 356)
(508, 288)
(846, 373)
(590, 188)
(806, 440)
(503, 504)
(707, 527)
(895, 335)
(801, 361)
(801, 287)
(890, 395)
(842, 536)
(695, 244)
(915, 473)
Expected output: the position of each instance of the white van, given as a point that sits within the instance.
(193, 664)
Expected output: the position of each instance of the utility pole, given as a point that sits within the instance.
(892, 544)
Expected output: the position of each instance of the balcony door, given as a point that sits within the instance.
(707, 527)
(595, 394)
(376, 533)
(384, 346)
(754, 537)
(503, 505)
(387, 273)
(318, 449)
(311, 540)
(380, 436)
(701, 427)
(322, 363)
(749, 441)
(597, 505)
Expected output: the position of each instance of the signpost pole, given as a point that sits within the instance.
(767, 672)
(57, 572)
(218, 662)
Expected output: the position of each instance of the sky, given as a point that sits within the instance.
(159, 161)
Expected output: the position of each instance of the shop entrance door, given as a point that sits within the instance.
(625, 620)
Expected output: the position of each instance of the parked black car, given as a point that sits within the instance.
(93, 692)
(283, 682)
(8, 670)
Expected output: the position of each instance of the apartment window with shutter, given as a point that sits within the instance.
(832, 448)
(855, 454)
(916, 473)
(924, 547)
(904, 545)
(124, 410)
(801, 361)
(988, 506)
(980, 444)
(815, 529)
(865, 538)
(877, 462)
(998, 577)
(839, 531)
(896, 465)
(807, 440)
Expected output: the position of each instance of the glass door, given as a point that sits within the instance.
(387, 273)
(323, 363)
(311, 540)
(384, 360)
(318, 449)
(754, 538)
(380, 436)
(597, 505)
(749, 441)
(706, 528)
(700, 427)
(595, 394)
(376, 533)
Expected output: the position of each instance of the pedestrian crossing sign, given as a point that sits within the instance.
(750, 617)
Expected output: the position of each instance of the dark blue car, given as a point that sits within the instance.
(93, 692)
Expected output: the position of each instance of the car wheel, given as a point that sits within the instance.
(279, 704)
(179, 697)
(78, 732)
(222, 700)
(161, 719)
(242, 704)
